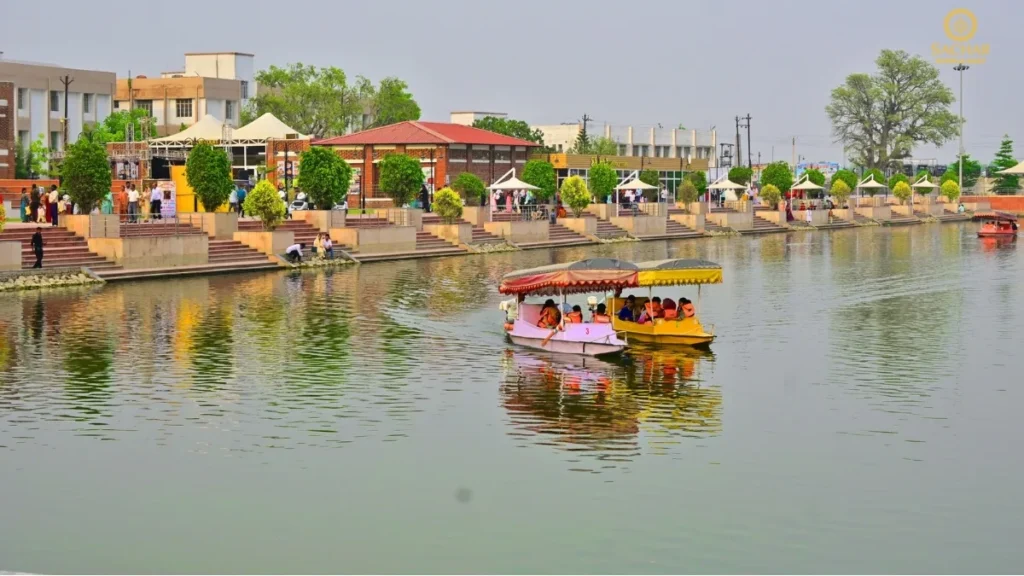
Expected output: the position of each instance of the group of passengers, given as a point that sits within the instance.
(655, 308)
(551, 316)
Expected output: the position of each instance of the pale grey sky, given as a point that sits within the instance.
(549, 61)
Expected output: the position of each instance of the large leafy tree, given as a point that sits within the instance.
(740, 174)
(510, 127)
(699, 179)
(879, 177)
(972, 171)
(650, 177)
(324, 175)
(114, 127)
(816, 176)
(602, 179)
(1004, 183)
(779, 175)
(849, 177)
(896, 179)
(880, 117)
(470, 186)
(208, 172)
(85, 174)
(393, 103)
(540, 174)
(315, 101)
(401, 177)
(601, 146)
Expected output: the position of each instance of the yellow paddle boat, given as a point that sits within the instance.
(676, 323)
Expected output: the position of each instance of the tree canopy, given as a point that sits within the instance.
(815, 176)
(600, 146)
(699, 179)
(1004, 183)
(771, 195)
(324, 175)
(879, 118)
(263, 202)
(779, 175)
(392, 102)
(741, 174)
(469, 186)
(972, 171)
(510, 127)
(840, 190)
(540, 174)
(85, 173)
(448, 204)
(114, 127)
(922, 173)
(846, 176)
(603, 179)
(896, 179)
(951, 190)
(401, 177)
(879, 177)
(687, 192)
(901, 190)
(208, 172)
(651, 177)
(575, 194)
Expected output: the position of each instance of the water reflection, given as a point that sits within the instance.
(611, 411)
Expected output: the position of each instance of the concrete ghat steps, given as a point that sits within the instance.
(151, 273)
(900, 220)
(230, 251)
(426, 253)
(606, 229)
(482, 236)
(762, 226)
(156, 229)
(62, 249)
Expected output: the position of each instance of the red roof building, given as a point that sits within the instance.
(444, 151)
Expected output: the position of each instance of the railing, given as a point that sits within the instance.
(522, 213)
(136, 225)
(641, 209)
(380, 217)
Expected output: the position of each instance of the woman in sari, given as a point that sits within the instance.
(44, 209)
(24, 205)
(107, 205)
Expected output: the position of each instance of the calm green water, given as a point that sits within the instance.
(860, 413)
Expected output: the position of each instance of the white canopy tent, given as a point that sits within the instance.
(728, 188)
(207, 128)
(508, 181)
(1018, 169)
(264, 128)
(869, 183)
(924, 183)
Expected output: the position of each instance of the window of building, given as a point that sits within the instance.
(559, 147)
(245, 90)
(183, 108)
(502, 155)
(457, 154)
(640, 150)
(22, 98)
(87, 103)
(23, 139)
(481, 154)
(146, 105)
(229, 110)
(54, 140)
(54, 101)
(622, 149)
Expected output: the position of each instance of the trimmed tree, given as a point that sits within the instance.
(687, 193)
(324, 175)
(699, 180)
(896, 179)
(448, 205)
(651, 177)
(208, 172)
(779, 175)
(264, 203)
(951, 190)
(575, 194)
(401, 177)
(846, 176)
(85, 174)
(470, 187)
(816, 176)
(1004, 183)
(840, 190)
(602, 180)
(902, 191)
(542, 175)
(741, 174)
(922, 172)
(771, 195)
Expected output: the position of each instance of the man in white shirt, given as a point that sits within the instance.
(133, 204)
(155, 201)
(294, 252)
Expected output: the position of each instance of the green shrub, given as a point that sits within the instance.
(840, 190)
(771, 195)
(469, 186)
(448, 205)
(324, 176)
(896, 179)
(740, 174)
(542, 175)
(846, 176)
(602, 179)
(264, 203)
(575, 194)
(86, 174)
(208, 172)
(902, 191)
(401, 177)
(688, 192)
(951, 190)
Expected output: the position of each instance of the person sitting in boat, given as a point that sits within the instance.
(549, 315)
(669, 311)
(576, 316)
(687, 308)
(651, 311)
(601, 316)
(626, 314)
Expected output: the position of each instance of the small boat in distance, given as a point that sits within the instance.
(527, 325)
(997, 225)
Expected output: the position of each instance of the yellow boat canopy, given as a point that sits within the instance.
(679, 272)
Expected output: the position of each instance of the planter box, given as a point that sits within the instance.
(734, 220)
(979, 206)
(377, 240)
(880, 213)
(695, 207)
(92, 225)
(270, 243)
(871, 201)
(459, 233)
(903, 210)
(692, 221)
(10, 255)
(322, 220)
(583, 225)
(217, 225)
(843, 214)
(154, 251)
(516, 232)
(641, 225)
(476, 215)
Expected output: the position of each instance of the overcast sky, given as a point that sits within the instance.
(548, 61)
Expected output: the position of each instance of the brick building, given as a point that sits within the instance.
(7, 138)
(444, 151)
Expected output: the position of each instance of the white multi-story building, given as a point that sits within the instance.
(650, 142)
(224, 65)
(40, 105)
(466, 118)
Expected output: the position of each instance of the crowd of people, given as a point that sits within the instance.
(666, 309)
(44, 207)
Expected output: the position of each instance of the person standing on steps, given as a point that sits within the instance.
(37, 246)
(52, 206)
(133, 204)
(156, 197)
(24, 205)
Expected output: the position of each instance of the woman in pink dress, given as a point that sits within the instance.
(508, 202)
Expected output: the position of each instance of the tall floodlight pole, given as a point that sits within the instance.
(960, 157)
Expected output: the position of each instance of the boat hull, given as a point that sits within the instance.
(671, 339)
(983, 234)
(567, 346)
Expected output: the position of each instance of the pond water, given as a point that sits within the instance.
(858, 413)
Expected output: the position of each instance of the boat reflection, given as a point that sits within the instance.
(993, 244)
(649, 400)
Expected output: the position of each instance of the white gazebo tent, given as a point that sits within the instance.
(262, 129)
(923, 183)
(1018, 169)
(727, 187)
(631, 182)
(207, 129)
(804, 183)
(508, 181)
(869, 183)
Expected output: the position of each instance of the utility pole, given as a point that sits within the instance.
(960, 157)
(794, 153)
(750, 153)
(585, 139)
(66, 81)
(739, 149)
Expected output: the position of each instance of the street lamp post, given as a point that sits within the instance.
(960, 157)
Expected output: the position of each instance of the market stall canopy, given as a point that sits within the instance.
(924, 182)
(870, 182)
(678, 272)
(208, 128)
(264, 128)
(593, 275)
(726, 184)
(636, 184)
(1018, 169)
(997, 216)
(512, 183)
(807, 185)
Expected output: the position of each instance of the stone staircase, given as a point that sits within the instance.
(901, 220)
(480, 235)
(951, 216)
(606, 230)
(157, 228)
(63, 249)
(558, 236)
(763, 226)
(673, 231)
(231, 251)
(836, 224)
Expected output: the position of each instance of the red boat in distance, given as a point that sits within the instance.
(997, 225)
